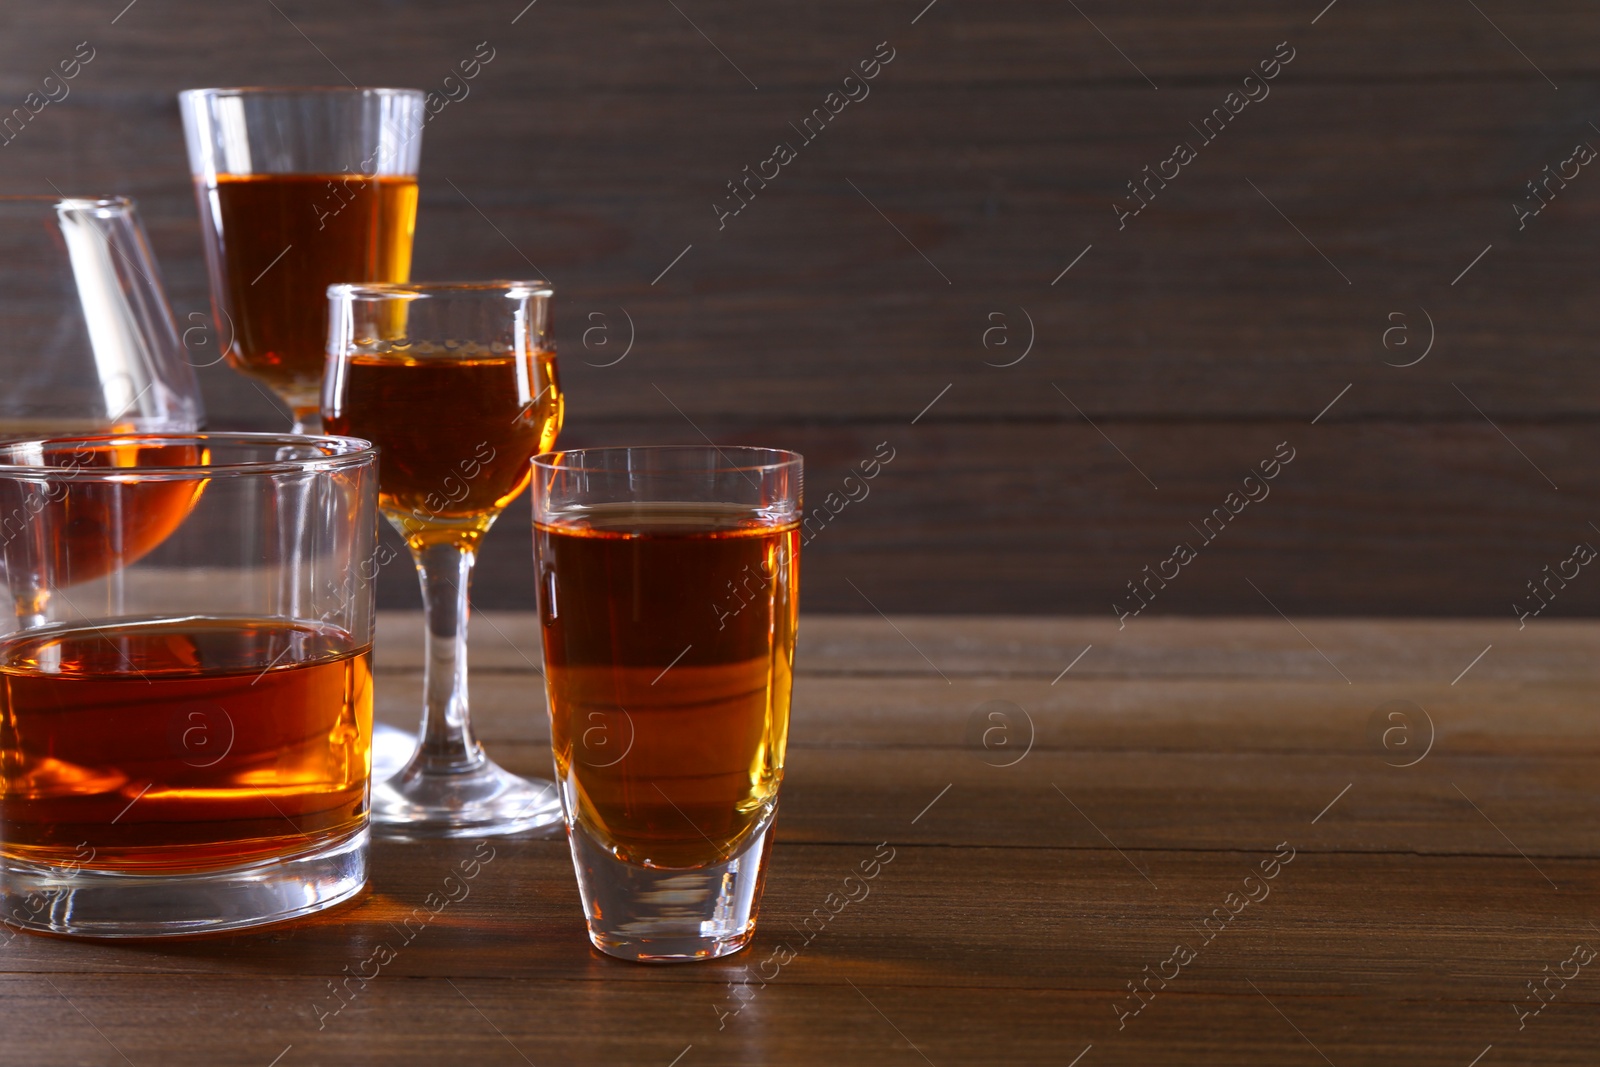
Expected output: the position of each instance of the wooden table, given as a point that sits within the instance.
(1407, 910)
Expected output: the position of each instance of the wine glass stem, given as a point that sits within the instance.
(447, 744)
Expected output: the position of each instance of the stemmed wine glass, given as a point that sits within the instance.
(299, 189)
(456, 385)
(87, 340)
(87, 346)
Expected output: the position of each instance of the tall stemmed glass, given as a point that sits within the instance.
(87, 346)
(456, 385)
(299, 189)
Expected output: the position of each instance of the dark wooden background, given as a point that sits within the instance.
(1209, 330)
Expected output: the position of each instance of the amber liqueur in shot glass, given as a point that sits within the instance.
(668, 594)
(185, 688)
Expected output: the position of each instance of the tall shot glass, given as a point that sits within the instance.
(668, 594)
(185, 690)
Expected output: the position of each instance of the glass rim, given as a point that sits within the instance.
(338, 453)
(421, 290)
(77, 203)
(299, 90)
(560, 460)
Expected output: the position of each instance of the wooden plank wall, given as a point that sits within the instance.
(880, 271)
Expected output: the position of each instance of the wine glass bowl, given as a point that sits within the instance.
(105, 526)
(298, 189)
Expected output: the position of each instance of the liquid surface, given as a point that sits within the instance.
(181, 744)
(669, 650)
(17, 427)
(327, 228)
(455, 434)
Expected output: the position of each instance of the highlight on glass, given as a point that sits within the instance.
(185, 685)
(90, 341)
(668, 597)
(456, 385)
(299, 189)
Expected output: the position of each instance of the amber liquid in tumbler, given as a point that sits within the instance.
(181, 744)
(455, 434)
(669, 648)
(275, 242)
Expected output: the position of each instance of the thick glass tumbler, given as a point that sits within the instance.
(668, 591)
(299, 189)
(185, 688)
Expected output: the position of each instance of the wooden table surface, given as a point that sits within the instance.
(1024, 887)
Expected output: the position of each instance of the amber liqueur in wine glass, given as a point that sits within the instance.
(88, 345)
(456, 385)
(299, 189)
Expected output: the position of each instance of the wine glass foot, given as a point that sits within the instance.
(485, 800)
(392, 749)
